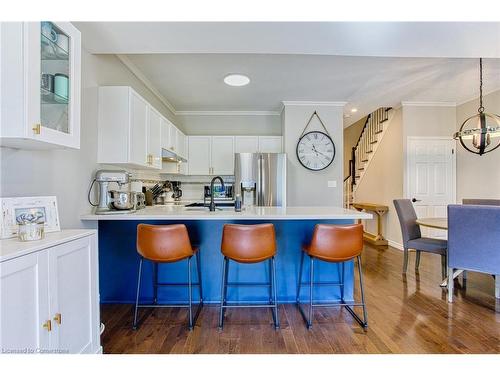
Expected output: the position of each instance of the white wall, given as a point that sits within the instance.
(478, 176)
(230, 124)
(68, 173)
(305, 187)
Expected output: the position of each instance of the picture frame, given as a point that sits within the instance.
(42, 209)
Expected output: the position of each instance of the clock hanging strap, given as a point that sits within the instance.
(309, 122)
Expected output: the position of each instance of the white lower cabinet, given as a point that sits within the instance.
(50, 299)
(24, 304)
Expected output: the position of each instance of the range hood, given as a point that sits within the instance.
(170, 156)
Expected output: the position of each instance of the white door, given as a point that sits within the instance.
(199, 155)
(431, 178)
(71, 294)
(246, 144)
(270, 144)
(24, 303)
(138, 142)
(223, 155)
(154, 138)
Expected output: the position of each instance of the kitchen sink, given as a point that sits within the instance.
(217, 204)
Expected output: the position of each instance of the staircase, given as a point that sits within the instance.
(373, 131)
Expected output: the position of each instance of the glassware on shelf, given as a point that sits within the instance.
(55, 81)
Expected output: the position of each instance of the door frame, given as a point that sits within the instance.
(406, 175)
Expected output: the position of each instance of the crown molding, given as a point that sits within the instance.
(314, 103)
(137, 72)
(486, 93)
(227, 113)
(428, 104)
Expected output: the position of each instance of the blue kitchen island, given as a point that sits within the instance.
(119, 261)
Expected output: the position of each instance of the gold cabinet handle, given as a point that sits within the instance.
(58, 318)
(48, 325)
(37, 128)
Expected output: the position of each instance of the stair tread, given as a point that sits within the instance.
(378, 131)
(373, 142)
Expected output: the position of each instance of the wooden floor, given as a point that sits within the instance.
(406, 315)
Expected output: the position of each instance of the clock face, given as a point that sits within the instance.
(315, 150)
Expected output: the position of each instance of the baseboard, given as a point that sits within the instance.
(396, 245)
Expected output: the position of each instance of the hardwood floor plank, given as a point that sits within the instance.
(406, 314)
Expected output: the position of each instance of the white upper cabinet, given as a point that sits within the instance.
(181, 144)
(138, 136)
(270, 144)
(214, 155)
(222, 155)
(199, 148)
(246, 144)
(40, 85)
(129, 129)
(154, 138)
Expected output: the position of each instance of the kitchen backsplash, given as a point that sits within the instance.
(192, 186)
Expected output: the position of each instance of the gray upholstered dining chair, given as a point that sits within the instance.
(412, 237)
(488, 202)
(473, 242)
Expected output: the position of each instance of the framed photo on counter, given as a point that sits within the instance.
(39, 209)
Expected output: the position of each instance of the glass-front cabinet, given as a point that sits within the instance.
(41, 72)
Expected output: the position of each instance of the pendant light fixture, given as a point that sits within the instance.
(480, 133)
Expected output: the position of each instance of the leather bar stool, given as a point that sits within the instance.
(249, 244)
(167, 244)
(334, 244)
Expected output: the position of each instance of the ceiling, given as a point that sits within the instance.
(194, 82)
(186, 62)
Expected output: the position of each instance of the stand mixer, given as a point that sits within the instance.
(113, 201)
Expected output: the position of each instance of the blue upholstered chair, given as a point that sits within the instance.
(412, 238)
(488, 202)
(473, 242)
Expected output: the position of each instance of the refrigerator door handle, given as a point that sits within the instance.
(259, 181)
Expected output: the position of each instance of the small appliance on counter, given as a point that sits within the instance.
(115, 201)
(177, 192)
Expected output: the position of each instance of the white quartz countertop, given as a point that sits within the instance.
(13, 248)
(254, 213)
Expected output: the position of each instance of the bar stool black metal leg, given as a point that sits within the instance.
(222, 293)
(365, 314)
(275, 295)
(198, 268)
(190, 292)
(341, 278)
(309, 323)
(300, 277)
(271, 289)
(155, 283)
(134, 326)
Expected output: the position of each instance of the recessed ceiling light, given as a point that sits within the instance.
(236, 80)
(354, 110)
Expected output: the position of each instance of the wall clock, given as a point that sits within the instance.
(315, 149)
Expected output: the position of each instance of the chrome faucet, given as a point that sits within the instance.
(212, 203)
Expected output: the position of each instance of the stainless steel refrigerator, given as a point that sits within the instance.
(260, 179)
